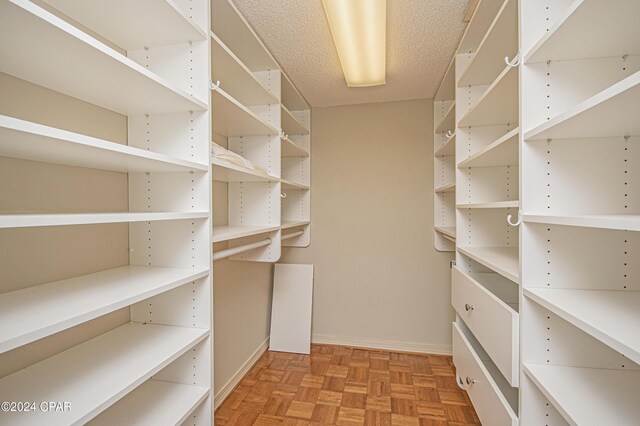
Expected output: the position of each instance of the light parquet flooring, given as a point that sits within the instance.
(338, 385)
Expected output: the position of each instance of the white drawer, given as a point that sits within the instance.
(493, 322)
(489, 402)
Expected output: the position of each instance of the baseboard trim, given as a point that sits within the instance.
(233, 382)
(387, 345)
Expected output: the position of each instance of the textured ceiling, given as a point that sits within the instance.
(421, 38)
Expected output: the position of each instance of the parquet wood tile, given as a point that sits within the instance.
(338, 385)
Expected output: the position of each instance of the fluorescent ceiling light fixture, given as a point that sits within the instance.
(359, 29)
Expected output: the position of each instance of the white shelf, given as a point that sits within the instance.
(294, 223)
(451, 187)
(153, 403)
(449, 231)
(291, 98)
(613, 317)
(231, 118)
(448, 148)
(618, 32)
(227, 68)
(490, 205)
(133, 25)
(612, 112)
(596, 396)
(449, 120)
(65, 59)
(502, 152)
(290, 124)
(224, 171)
(292, 149)
(287, 184)
(446, 91)
(620, 222)
(503, 260)
(33, 220)
(36, 312)
(235, 32)
(93, 375)
(35, 142)
(231, 232)
(498, 104)
(480, 22)
(501, 40)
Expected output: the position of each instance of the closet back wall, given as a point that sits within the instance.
(378, 279)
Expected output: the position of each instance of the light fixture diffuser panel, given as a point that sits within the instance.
(359, 30)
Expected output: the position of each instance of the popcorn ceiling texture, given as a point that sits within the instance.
(422, 36)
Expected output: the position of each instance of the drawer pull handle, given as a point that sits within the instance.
(470, 381)
(468, 307)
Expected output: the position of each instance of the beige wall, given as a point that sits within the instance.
(378, 279)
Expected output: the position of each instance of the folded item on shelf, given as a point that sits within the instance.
(231, 157)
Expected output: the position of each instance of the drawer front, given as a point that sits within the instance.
(492, 322)
(491, 406)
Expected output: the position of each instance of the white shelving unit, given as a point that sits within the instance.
(580, 209)
(147, 64)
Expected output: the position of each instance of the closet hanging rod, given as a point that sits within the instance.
(240, 249)
(291, 235)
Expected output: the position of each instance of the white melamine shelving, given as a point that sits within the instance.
(35, 142)
(448, 148)
(292, 149)
(291, 125)
(154, 402)
(502, 152)
(449, 231)
(503, 260)
(597, 397)
(450, 187)
(498, 104)
(500, 40)
(62, 219)
(224, 171)
(231, 232)
(234, 75)
(231, 118)
(127, 23)
(35, 312)
(291, 98)
(612, 112)
(490, 205)
(618, 32)
(448, 121)
(482, 18)
(67, 60)
(95, 374)
(619, 222)
(287, 184)
(584, 309)
(294, 224)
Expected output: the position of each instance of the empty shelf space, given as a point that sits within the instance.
(482, 18)
(449, 231)
(134, 25)
(287, 184)
(503, 260)
(448, 148)
(231, 232)
(446, 91)
(292, 149)
(613, 317)
(227, 68)
(498, 104)
(93, 375)
(290, 124)
(62, 219)
(287, 224)
(598, 396)
(36, 312)
(620, 222)
(154, 402)
(291, 98)
(64, 59)
(612, 112)
(502, 152)
(490, 205)
(448, 122)
(450, 187)
(35, 142)
(500, 40)
(231, 118)
(224, 171)
(618, 32)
